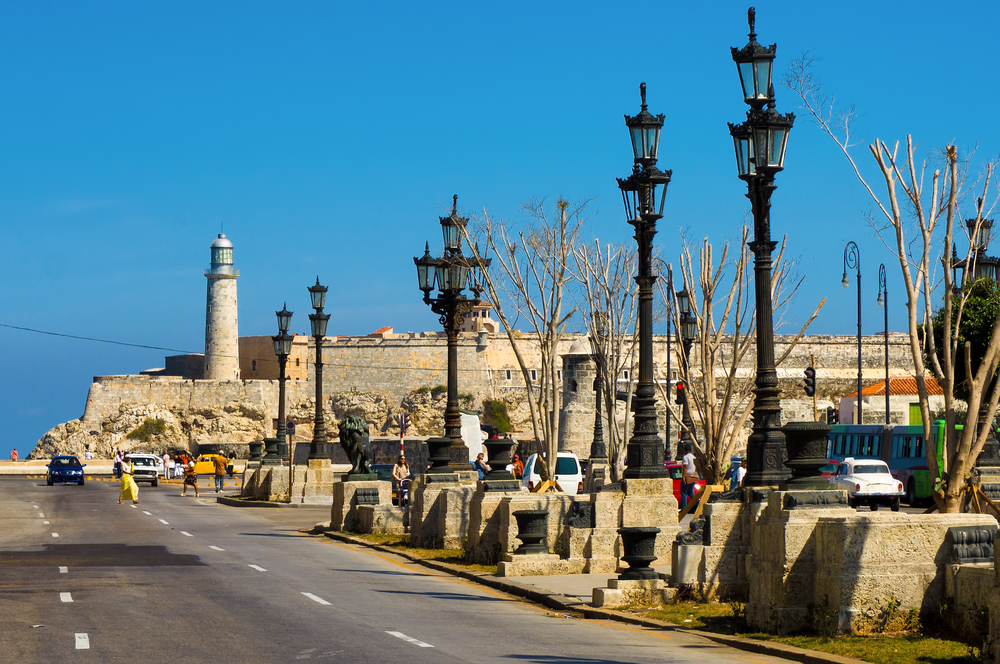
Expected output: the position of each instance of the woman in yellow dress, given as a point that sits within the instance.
(130, 491)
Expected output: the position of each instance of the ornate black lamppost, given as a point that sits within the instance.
(282, 348)
(598, 450)
(319, 320)
(644, 450)
(883, 301)
(451, 274)
(760, 154)
(688, 330)
(852, 260)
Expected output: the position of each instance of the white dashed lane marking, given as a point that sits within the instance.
(66, 597)
(318, 600)
(410, 639)
(82, 641)
(184, 532)
(258, 568)
(64, 570)
(165, 523)
(146, 513)
(35, 506)
(45, 523)
(216, 548)
(41, 514)
(133, 507)
(55, 534)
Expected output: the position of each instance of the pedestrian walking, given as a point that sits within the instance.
(118, 464)
(220, 471)
(88, 455)
(690, 477)
(166, 465)
(13, 454)
(190, 478)
(129, 489)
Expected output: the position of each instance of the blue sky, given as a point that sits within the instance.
(326, 138)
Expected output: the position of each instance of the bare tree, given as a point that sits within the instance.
(530, 272)
(718, 395)
(607, 292)
(917, 223)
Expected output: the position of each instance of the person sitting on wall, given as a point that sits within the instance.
(481, 466)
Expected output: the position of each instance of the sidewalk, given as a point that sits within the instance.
(573, 593)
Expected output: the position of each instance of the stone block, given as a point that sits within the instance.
(344, 507)
(607, 508)
(380, 519)
(649, 487)
(537, 565)
(620, 593)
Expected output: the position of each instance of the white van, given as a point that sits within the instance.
(568, 473)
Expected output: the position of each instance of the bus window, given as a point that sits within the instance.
(919, 447)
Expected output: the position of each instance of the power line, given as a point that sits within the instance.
(103, 341)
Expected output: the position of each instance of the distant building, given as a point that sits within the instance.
(479, 319)
(904, 402)
(258, 361)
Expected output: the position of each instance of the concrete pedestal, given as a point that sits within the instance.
(313, 483)
(380, 519)
(652, 592)
(439, 511)
(651, 502)
(343, 514)
(536, 565)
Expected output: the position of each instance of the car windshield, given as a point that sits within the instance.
(382, 470)
(142, 461)
(867, 470)
(65, 461)
(566, 466)
(675, 472)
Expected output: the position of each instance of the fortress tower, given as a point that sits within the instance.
(222, 350)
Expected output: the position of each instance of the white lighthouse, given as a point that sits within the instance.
(222, 349)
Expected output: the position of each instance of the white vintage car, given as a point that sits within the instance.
(868, 482)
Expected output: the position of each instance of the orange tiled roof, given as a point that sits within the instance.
(899, 386)
(382, 330)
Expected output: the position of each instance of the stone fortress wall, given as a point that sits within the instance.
(374, 375)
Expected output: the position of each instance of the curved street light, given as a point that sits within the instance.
(883, 301)
(852, 260)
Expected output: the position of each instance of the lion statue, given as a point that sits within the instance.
(354, 440)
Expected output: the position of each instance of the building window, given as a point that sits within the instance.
(625, 374)
(558, 374)
(534, 375)
(296, 361)
(508, 374)
(253, 365)
(574, 386)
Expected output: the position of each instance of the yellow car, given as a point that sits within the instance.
(205, 465)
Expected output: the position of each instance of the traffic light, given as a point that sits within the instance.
(681, 397)
(831, 415)
(810, 382)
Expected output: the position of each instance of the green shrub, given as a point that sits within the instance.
(495, 414)
(153, 426)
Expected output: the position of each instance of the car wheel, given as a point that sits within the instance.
(49, 482)
(895, 505)
(80, 482)
(911, 494)
(852, 503)
(155, 482)
(874, 507)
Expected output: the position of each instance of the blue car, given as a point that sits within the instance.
(65, 468)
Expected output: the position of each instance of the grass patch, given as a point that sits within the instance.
(903, 649)
(402, 542)
(150, 428)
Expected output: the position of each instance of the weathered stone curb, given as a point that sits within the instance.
(236, 502)
(562, 603)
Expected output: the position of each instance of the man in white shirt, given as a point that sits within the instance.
(741, 472)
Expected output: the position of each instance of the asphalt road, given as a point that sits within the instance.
(188, 580)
